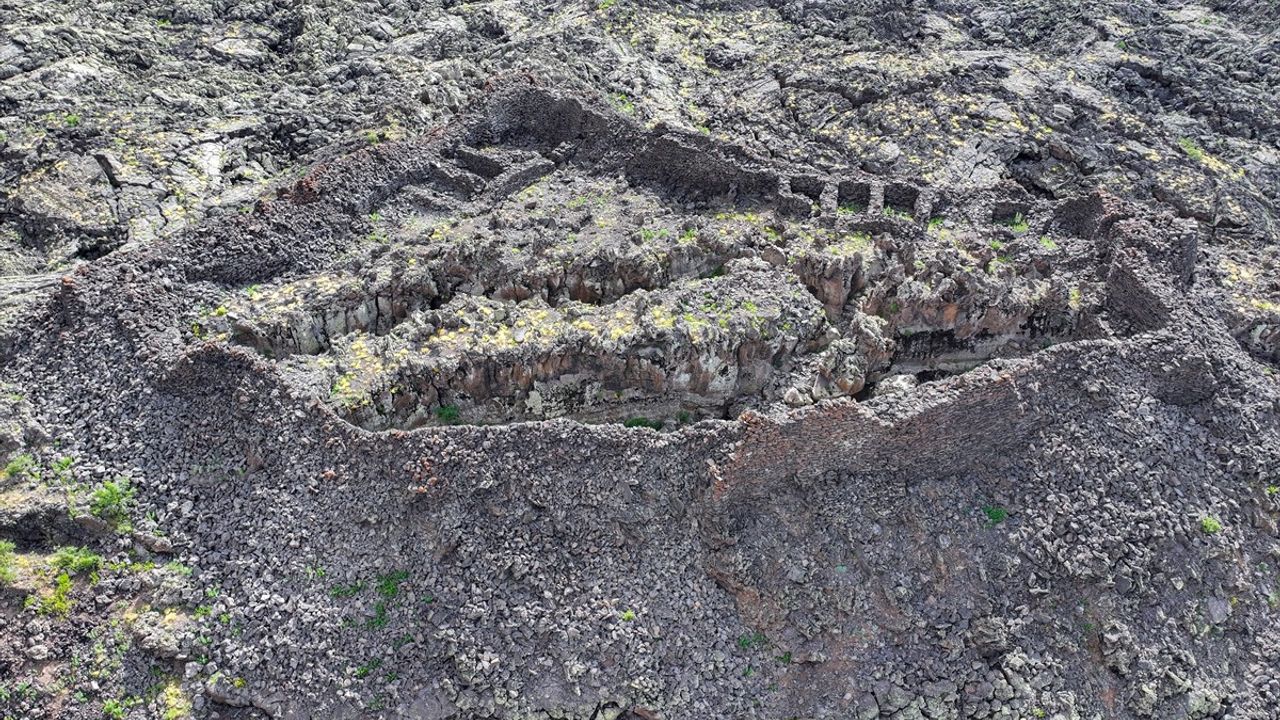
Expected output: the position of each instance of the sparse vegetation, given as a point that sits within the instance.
(56, 603)
(175, 702)
(110, 501)
(751, 641)
(7, 572)
(628, 615)
(1191, 148)
(365, 670)
(389, 585)
(1018, 223)
(380, 618)
(995, 514)
(651, 234)
(1210, 525)
(449, 414)
(346, 591)
(114, 709)
(20, 467)
(642, 422)
(76, 560)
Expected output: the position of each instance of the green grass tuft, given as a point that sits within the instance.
(641, 422)
(76, 560)
(389, 585)
(110, 501)
(1191, 148)
(751, 641)
(21, 466)
(449, 414)
(7, 573)
(995, 514)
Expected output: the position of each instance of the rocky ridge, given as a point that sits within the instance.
(963, 366)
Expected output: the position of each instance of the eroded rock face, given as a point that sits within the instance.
(959, 318)
(533, 271)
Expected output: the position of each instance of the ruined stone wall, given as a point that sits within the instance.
(985, 410)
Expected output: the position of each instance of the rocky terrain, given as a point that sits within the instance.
(630, 359)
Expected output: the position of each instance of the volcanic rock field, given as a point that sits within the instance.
(640, 360)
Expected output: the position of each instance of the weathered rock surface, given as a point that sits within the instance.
(333, 340)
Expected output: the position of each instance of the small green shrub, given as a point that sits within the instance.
(628, 615)
(346, 591)
(176, 704)
(110, 501)
(1019, 224)
(7, 573)
(1210, 525)
(76, 560)
(389, 585)
(636, 422)
(113, 709)
(59, 602)
(379, 619)
(995, 515)
(449, 414)
(62, 469)
(751, 640)
(71, 120)
(21, 466)
(1192, 149)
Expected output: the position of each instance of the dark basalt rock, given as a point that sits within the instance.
(639, 360)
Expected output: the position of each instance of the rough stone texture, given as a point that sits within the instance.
(958, 320)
